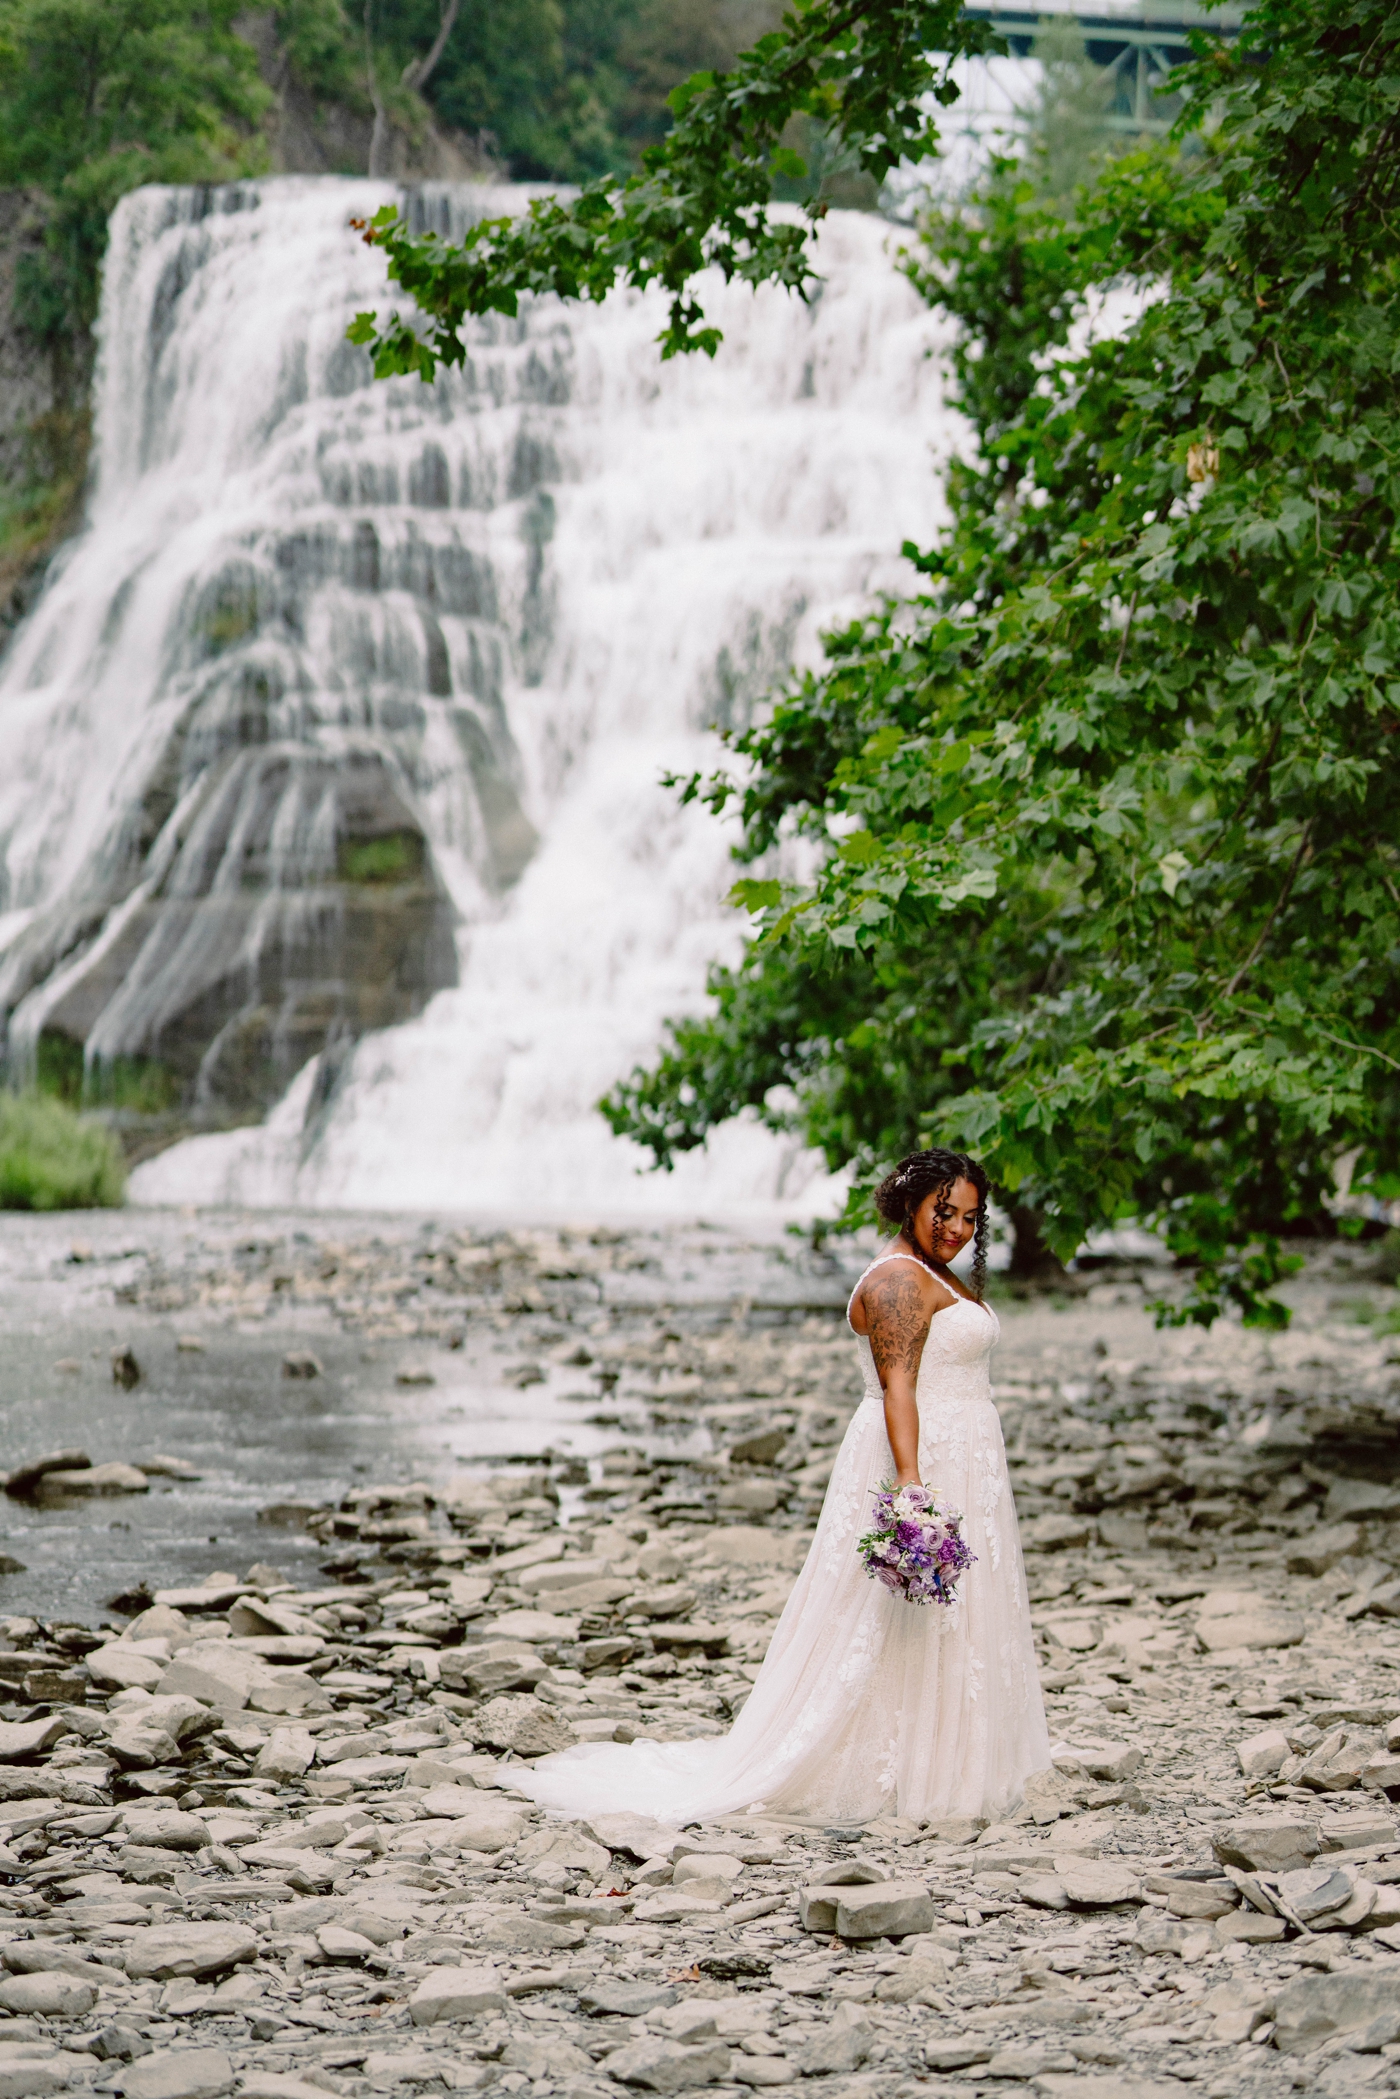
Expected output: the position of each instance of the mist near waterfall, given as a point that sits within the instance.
(333, 849)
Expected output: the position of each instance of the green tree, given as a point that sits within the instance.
(1153, 678)
(97, 97)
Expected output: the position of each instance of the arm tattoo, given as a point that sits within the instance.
(899, 1323)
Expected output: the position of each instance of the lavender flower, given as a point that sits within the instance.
(915, 1547)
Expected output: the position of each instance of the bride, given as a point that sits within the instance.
(866, 1704)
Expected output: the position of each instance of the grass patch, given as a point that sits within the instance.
(52, 1159)
(396, 857)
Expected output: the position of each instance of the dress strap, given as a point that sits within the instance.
(879, 1263)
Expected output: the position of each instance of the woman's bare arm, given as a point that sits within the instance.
(898, 1307)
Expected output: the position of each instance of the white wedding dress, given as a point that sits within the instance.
(867, 1705)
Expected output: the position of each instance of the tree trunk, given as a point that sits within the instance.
(1031, 1259)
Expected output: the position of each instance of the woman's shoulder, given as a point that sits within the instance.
(900, 1285)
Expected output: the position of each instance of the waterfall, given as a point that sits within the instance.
(334, 858)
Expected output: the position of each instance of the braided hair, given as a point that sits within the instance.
(933, 1173)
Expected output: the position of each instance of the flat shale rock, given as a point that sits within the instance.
(165, 1951)
(33, 2069)
(1267, 1843)
(1314, 2007)
(179, 2073)
(48, 1996)
(1096, 1883)
(450, 1994)
(668, 2066)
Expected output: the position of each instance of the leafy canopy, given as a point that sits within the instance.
(1106, 810)
(700, 198)
(98, 96)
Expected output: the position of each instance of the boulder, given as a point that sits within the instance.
(1264, 1626)
(340, 1944)
(925, 1971)
(491, 1825)
(886, 1909)
(668, 2066)
(1311, 2009)
(1340, 1758)
(166, 1828)
(179, 2073)
(639, 1835)
(22, 1738)
(47, 1995)
(456, 1993)
(104, 1479)
(1197, 1898)
(165, 1951)
(1312, 1892)
(522, 1723)
(1158, 1934)
(160, 1622)
(139, 1744)
(706, 1865)
(1096, 1883)
(32, 2069)
(286, 1754)
(1319, 1550)
(120, 1666)
(1262, 1755)
(1113, 1761)
(834, 2051)
(1266, 1843)
(1250, 1928)
(25, 1478)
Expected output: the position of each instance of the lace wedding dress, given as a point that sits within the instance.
(866, 1704)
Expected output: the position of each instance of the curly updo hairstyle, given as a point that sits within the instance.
(933, 1173)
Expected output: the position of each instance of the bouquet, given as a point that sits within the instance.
(915, 1547)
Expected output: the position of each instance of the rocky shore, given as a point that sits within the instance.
(261, 1836)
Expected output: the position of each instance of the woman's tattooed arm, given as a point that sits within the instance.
(898, 1307)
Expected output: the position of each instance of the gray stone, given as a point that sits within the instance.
(165, 1951)
(522, 1723)
(835, 2051)
(104, 1479)
(1096, 1883)
(23, 1738)
(668, 2066)
(1267, 1843)
(286, 1754)
(492, 1825)
(890, 1909)
(915, 1979)
(1056, 1533)
(1311, 2009)
(1319, 1550)
(1044, 1891)
(121, 1666)
(179, 2073)
(624, 2000)
(1188, 1939)
(955, 2055)
(48, 1996)
(33, 2069)
(1103, 1760)
(529, 1935)
(639, 1835)
(1262, 1627)
(1260, 1756)
(165, 1828)
(25, 1478)
(456, 1993)
(1313, 1891)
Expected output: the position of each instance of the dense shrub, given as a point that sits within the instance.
(52, 1159)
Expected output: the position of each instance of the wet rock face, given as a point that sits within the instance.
(290, 904)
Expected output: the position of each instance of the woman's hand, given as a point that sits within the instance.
(910, 1479)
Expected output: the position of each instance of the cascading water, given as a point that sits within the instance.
(331, 825)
